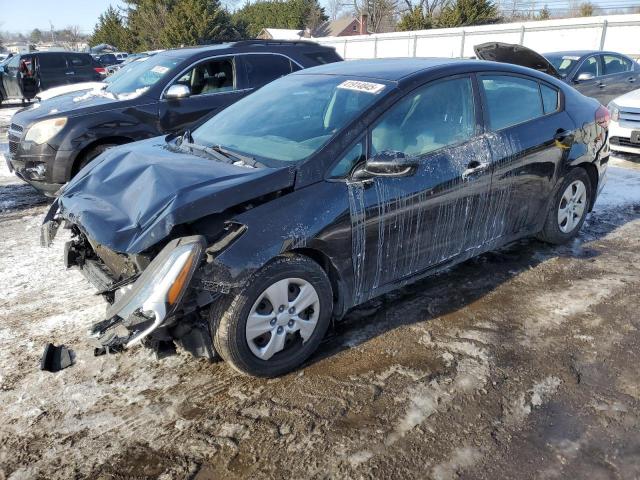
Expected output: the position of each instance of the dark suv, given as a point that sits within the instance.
(170, 92)
(24, 75)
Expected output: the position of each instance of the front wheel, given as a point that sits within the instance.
(277, 320)
(568, 209)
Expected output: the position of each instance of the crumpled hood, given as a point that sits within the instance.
(130, 197)
(515, 54)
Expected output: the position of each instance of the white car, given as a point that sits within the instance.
(624, 128)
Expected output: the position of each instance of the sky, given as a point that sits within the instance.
(25, 15)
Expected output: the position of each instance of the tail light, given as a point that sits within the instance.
(100, 70)
(602, 116)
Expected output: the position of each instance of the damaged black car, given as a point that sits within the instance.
(246, 237)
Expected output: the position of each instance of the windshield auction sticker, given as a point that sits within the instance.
(360, 86)
(160, 69)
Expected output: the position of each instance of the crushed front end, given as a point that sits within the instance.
(153, 299)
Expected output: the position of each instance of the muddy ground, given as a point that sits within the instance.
(522, 363)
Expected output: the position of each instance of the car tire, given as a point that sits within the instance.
(93, 153)
(231, 328)
(568, 209)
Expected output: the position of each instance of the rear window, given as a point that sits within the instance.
(52, 61)
(78, 60)
(511, 100)
(550, 101)
(616, 64)
(324, 56)
(262, 69)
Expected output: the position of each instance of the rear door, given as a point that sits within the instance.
(263, 68)
(528, 126)
(618, 77)
(214, 85)
(81, 66)
(404, 225)
(53, 70)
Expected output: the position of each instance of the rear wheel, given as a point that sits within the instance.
(569, 208)
(277, 320)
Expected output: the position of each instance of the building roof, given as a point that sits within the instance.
(283, 33)
(333, 28)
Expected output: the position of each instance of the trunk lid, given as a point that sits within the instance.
(515, 54)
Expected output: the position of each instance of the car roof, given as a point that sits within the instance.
(582, 53)
(188, 51)
(389, 69)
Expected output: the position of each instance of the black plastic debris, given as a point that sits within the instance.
(56, 358)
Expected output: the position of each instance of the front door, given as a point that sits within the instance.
(591, 87)
(213, 85)
(404, 225)
(11, 77)
(527, 129)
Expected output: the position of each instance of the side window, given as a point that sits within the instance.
(262, 69)
(615, 64)
(431, 117)
(14, 62)
(212, 76)
(511, 100)
(590, 65)
(550, 99)
(354, 156)
(50, 61)
(77, 60)
(325, 56)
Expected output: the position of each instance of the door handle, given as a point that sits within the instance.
(602, 85)
(70, 73)
(631, 80)
(474, 167)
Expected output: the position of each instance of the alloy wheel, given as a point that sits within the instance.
(572, 206)
(284, 315)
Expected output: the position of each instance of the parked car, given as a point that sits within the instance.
(598, 74)
(624, 131)
(24, 75)
(169, 92)
(83, 86)
(320, 191)
(108, 59)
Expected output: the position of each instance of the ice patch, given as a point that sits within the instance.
(462, 458)
(622, 188)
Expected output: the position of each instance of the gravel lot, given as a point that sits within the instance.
(522, 363)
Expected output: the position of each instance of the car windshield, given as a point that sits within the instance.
(139, 76)
(290, 119)
(563, 63)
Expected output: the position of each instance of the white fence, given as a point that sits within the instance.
(620, 33)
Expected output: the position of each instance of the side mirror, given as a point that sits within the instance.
(176, 92)
(390, 164)
(584, 76)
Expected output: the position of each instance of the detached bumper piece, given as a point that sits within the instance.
(56, 358)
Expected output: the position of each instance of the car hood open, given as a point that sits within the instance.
(515, 54)
(130, 197)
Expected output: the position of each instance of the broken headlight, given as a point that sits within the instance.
(160, 288)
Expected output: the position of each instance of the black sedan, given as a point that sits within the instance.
(322, 190)
(599, 74)
(53, 140)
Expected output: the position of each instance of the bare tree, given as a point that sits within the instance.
(335, 8)
(75, 35)
(428, 7)
(380, 12)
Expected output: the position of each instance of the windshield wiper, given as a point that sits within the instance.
(185, 137)
(206, 150)
(237, 156)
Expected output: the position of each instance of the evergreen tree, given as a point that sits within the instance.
(468, 12)
(197, 22)
(545, 13)
(110, 29)
(414, 19)
(290, 14)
